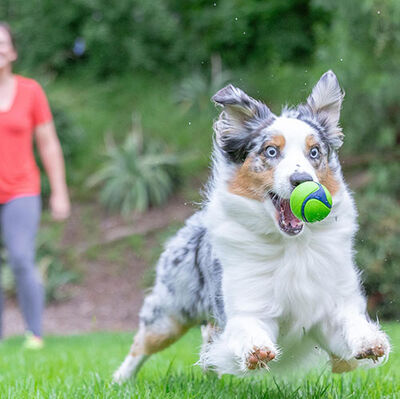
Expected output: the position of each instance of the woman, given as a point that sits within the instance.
(24, 114)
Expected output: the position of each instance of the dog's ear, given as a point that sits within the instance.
(241, 118)
(325, 102)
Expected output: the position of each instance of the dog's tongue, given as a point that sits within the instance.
(287, 215)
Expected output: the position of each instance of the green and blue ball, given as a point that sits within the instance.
(311, 202)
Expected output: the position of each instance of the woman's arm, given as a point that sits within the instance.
(53, 162)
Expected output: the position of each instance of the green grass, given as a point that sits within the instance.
(81, 367)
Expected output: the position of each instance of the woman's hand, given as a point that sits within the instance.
(60, 206)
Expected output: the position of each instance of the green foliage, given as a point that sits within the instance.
(45, 32)
(161, 33)
(136, 175)
(195, 91)
(106, 105)
(131, 34)
(378, 253)
(55, 275)
(71, 137)
(362, 46)
(385, 175)
(70, 134)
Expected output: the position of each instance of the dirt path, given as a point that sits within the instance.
(111, 293)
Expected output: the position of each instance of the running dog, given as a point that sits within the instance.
(271, 287)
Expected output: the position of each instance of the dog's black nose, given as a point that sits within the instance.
(298, 178)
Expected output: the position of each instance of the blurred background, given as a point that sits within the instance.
(130, 85)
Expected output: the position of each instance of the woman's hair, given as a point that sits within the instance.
(7, 28)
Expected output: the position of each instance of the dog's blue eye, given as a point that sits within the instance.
(272, 152)
(314, 153)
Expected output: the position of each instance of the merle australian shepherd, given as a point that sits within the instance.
(270, 287)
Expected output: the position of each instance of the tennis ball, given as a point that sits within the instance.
(310, 202)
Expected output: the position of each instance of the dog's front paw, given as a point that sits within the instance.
(259, 357)
(374, 349)
(374, 353)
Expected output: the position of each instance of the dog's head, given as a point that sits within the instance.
(272, 154)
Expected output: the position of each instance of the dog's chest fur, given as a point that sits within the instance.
(295, 281)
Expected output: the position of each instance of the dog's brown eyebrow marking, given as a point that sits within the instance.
(311, 142)
(324, 173)
(278, 141)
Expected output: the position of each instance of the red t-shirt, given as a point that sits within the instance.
(19, 174)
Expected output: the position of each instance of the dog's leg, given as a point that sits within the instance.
(160, 326)
(149, 339)
(353, 340)
(208, 333)
(179, 298)
(129, 367)
(340, 366)
(245, 344)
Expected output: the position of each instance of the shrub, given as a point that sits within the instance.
(45, 32)
(378, 253)
(362, 46)
(195, 91)
(71, 135)
(161, 33)
(136, 175)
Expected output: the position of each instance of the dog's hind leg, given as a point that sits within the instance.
(129, 367)
(161, 324)
(149, 339)
(179, 298)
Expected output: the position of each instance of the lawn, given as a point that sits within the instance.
(81, 366)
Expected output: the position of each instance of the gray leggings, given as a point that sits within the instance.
(19, 222)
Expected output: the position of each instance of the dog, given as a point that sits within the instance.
(270, 287)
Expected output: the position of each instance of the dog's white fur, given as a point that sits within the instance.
(282, 289)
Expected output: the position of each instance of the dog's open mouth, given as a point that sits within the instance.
(288, 223)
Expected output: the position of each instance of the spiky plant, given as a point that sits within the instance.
(195, 91)
(137, 174)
